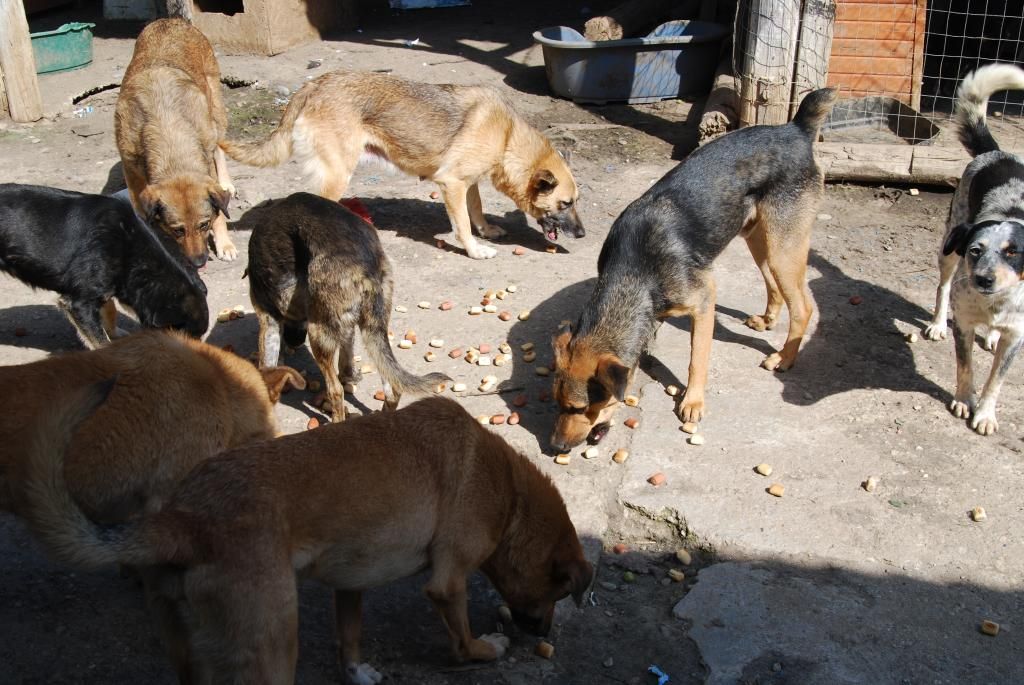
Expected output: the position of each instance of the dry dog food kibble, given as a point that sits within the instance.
(620, 548)
(410, 335)
(524, 315)
(671, 390)
(676, 575)
(405, 344)
(483, 419)
(590, 453)
(505, 348)
(459, 387)
(505, 315)
(542, 371)
(512, 288)
(562, 460)
(429, 356)
(497, 419)
(490, 309)
(484, 360)
(632, 401)
(456, 353)
(990, 628)
(484, 348)
(379, 395)
(631, 422)
(978, 514)
(620, 456)
(520, 400)
(312, 423)
(401, 308)
(529, 356)
(545, 650)
(500, 360)
(436, 342)
(474, 311)
(871, 483)
(764, 469)
(526, 347)
(513, 418)
(777, 490)
(501, 294)
(366, 368)
(657, 479)
(683, 556)
(446, 305)
(423, 304)
(696, 440)
(518, 251)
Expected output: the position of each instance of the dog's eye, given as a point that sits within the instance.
(974, 251)
(205, 226)
(179, 231)
(565, 204)
(573, 410)
(1012, 252)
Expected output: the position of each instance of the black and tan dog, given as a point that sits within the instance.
(92, 249)
(762, 183)
(981, 263)
(354, 505)
(169, 119)
(456, 136)
(315, 266)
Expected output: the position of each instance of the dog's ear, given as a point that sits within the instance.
(560, 346)
(613, 375)
(580, 574)
(151, 207)
(278, 377)
(219, 198)
(566, 154)
(956, 241)
(542, 183)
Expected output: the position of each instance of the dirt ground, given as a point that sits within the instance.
(862, 399)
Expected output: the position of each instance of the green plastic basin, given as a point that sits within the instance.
(68, 47)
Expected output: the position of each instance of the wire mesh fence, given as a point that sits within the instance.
(896, 63)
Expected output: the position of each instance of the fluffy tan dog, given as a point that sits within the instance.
(455, 136)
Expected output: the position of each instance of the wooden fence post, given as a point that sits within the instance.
(814, 50)
(17, 63)
(765, 45)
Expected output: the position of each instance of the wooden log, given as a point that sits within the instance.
(18, 64)
(813, 50)
(631, 18)
(873, 163)
(720, 110)
(765, 40)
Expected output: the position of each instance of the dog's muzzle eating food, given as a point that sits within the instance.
(566, 221)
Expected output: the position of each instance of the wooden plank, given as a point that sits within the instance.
(873, 11)
(871, 84)
(864, 47)
(881, 66)
(18, 64)
(874, 30)
(891, 163)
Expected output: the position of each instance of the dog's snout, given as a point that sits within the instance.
(199, 260)
(576, 225)
(984, 281)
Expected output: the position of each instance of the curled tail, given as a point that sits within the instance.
(972, 103)
(55, 517)
(813, 110)
(373, 322)
(276, 148)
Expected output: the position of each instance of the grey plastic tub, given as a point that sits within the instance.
(677, 58)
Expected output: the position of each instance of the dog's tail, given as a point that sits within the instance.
(181, 9)
(278, 147)
(53, 514)
(373, 322)
(972, 104)
(813, 111)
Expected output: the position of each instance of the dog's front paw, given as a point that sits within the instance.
(991, 340)
(984, 422)
(759, 322)
(226, 250)
(961, 407)
(363, 674)
(478, 251)
(691, 409)
(776, 362)
(491, 231)
(230, 187)
(936, 331)
(498, 641)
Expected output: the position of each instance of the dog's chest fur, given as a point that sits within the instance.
(999, 311)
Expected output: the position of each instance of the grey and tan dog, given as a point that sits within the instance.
(456, 136)
(981, 262)
(168, 122)
(354, 505)
(316, 267)
(761, 183)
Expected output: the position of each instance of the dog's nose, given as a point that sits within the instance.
(199, 260)
(559, 445)
(983, 281)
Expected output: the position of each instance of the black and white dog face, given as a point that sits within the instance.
(993, 252)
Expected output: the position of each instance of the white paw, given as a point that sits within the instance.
(961, 408)
(492, 231)
(935, 331)
(984, 421)
(226, 250)
(363, 674)
(230, 187)
(498, 641)
(991, 340)
(478, 251)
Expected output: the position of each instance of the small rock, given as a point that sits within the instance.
(620, 456)
(824, 217)
(978, 514)
(632, 401)
(628, 577)
(608, 663)
(657, 480)
(631, 422)
(776, 490)
(665, 582)
(610, 587)
(696, 440)
(990, 628)
(870, 484)
(764, 469)
(562, 460)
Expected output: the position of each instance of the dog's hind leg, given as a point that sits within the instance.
(476, 214)
(456, 201)
(936, 330)
(87, 320)
(269, 342)
(787, 259)
(170, 623)
(324, 345)
(447, 590)
(348, 617)
(984, 419)
(758, 245)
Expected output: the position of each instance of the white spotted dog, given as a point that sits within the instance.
(981, 263)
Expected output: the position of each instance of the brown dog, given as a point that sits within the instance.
(315, 265)
(354, 505)
(176, 402)
(455, 136)
(168, 122)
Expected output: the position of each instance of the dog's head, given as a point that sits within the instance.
(993, 252)
(552, 196)
(539, 560)
(184, 208)
(588, 388)
(162, 287)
